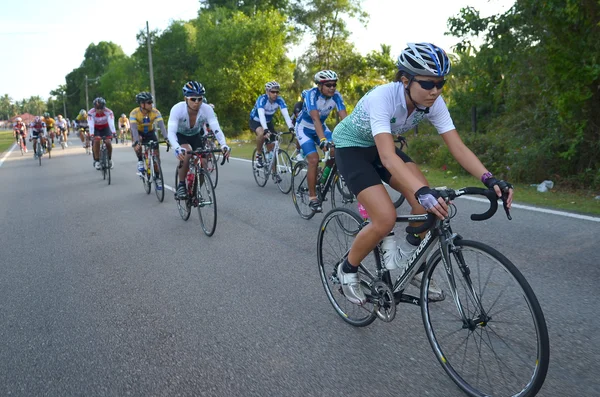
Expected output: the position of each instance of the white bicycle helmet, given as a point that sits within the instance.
(424, 59)
(325, 75)
(272, 85)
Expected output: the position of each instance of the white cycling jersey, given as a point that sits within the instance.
(179, 123)
(383, 110)
(100, 119)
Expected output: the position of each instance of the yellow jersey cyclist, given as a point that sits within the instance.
(185, 128)
(50, 123)
(62, 127)
(143, 120)
(366, 155)
(81, 123)
(123, 126)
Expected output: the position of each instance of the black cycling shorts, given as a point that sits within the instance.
(195, 141)
(255, 124)
(103, 132)
(361, 167)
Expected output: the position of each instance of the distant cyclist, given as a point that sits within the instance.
(20, 130)
(262, 114)
(101, 121)
(37, 130)
(49, 121)
(62, 127)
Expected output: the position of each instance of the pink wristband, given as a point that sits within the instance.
(486, 176)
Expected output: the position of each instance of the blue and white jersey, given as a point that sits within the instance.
(314, 100)
(269, 107)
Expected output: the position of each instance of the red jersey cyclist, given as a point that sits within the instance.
(101, 122)
(19, 131)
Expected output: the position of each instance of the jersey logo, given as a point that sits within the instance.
(393, 120)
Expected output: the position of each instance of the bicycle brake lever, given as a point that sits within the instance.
(506, 209)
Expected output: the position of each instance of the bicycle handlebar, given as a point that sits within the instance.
(199, 152)
(451, 194)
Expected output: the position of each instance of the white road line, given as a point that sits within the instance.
(7, 154)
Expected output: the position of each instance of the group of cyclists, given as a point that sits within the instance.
(366, 154)
(38, 129)
(365, 151)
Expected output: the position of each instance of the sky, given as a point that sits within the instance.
(44, 41)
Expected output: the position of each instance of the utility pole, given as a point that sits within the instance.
(87, 101)
(150, 63)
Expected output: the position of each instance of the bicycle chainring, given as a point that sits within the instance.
(385, 305)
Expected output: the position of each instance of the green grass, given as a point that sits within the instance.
(567, 200)
(6, 140)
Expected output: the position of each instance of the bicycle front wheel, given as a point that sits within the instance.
(183, 206)
(336, 234)
(213, 168)
(260, 174)
(500, 346)
(159, 188)
(300, 194)
(207, 202)
(283, 168)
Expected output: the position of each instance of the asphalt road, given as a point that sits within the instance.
(104, 291)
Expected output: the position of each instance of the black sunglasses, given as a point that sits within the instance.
(195, 99)
(274, 92)
(148, 102)
(330, 85)
(428, 84)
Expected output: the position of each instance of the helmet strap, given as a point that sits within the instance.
(417, 108)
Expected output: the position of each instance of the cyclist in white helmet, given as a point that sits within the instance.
(311, 129)
(366, 155)
(262, 114)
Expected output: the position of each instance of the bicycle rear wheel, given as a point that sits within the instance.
(213, 168)
(503, 347)
(260, 174)
(300, 194)
(336, 234)
(146, 178)
(183, 206)
(159, 186)
(283, 168)
(207, 202)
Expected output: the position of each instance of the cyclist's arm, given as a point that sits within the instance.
(286, 116)
(161, 125)
(316, 119)
(262, 117)
(135, 135)
(211, 119)
(91, 124)
(111, 122)
(172, 131)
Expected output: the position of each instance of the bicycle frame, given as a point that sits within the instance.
(269, 164)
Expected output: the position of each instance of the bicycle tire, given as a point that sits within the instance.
(341, 196)
(108, 171)
(185, 208)
(158, 181)
(300, 194)
(39, 152)
(484, 332)
(146, 178)
(207, 202)
(212, 166)
(333, 243)
(260, 174)
(283, 168)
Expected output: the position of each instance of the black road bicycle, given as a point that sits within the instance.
(488, 330)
